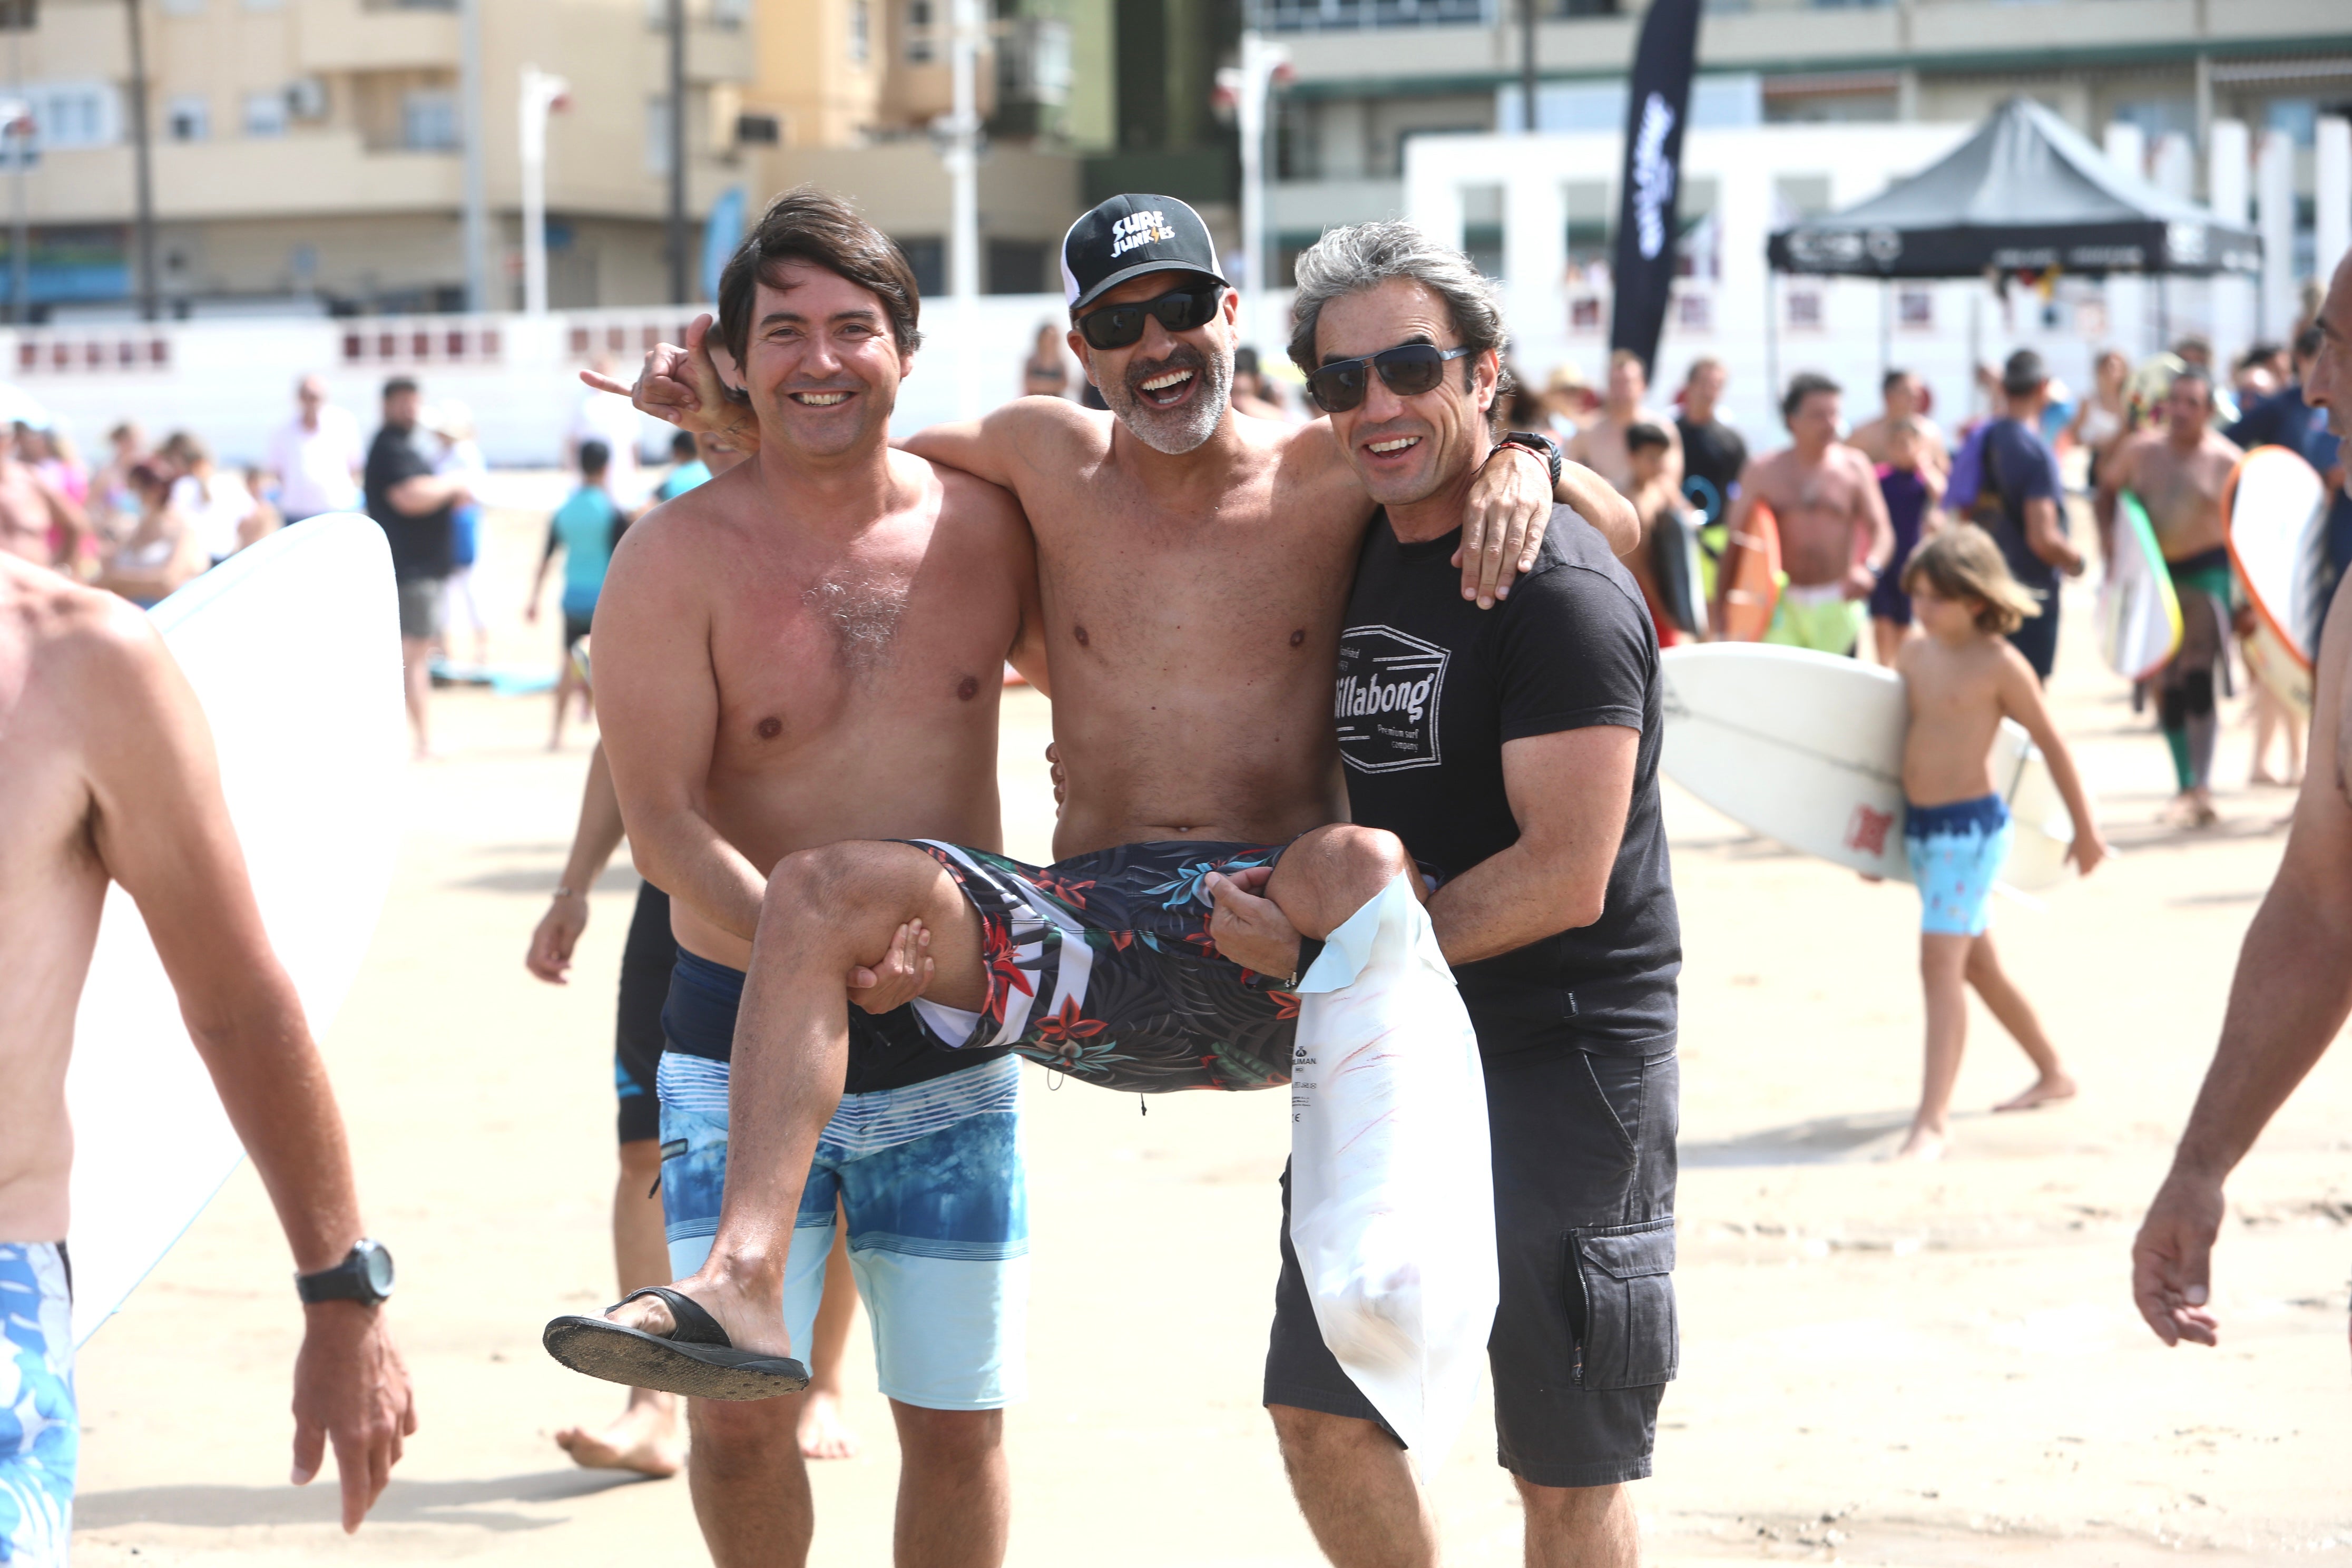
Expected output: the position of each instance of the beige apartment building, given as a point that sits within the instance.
(308, 156)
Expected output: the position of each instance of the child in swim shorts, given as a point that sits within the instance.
(1960, 681)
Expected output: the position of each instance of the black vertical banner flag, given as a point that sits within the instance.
(1657, 102)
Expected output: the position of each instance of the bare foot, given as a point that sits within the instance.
(749, 1325)
(824, 1433)
(2260, 777)
(645, 1438)
(1924, 1144)
(2044, 1091)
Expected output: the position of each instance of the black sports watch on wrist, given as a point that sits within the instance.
(363, 1276)
(1543, 446)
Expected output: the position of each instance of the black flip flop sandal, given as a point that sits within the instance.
(696, 1359)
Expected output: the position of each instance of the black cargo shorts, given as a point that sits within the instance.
(1585, 1337)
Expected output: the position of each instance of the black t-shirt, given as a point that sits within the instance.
(1713, 455)
(420, 545)
(2019, 466)
(1430, 689)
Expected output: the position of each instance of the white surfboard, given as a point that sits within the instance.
(2276, 505)
(2139, 614)
(1807, 747)
(293, 647)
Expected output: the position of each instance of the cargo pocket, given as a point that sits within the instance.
(1626, 1335)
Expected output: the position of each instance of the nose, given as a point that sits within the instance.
(1157, 342)
(1379, 403)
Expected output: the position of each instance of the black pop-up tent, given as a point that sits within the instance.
(2025, 193)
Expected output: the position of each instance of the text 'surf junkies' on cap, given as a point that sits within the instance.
(1127, 237)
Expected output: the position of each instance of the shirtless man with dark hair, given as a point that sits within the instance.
(110, 777)
(1835, 538)
(1903, 396)
(2178, 470)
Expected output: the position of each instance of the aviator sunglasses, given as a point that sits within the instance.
(1182, 311)
(1406, 370)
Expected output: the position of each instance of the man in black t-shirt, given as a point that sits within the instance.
(1713, 452)
(2023, 501)
(415, 508)
(1515, 753)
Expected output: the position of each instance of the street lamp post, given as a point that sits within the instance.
(542, 94)
(1249, 87)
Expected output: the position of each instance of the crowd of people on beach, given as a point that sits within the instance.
(834, 970)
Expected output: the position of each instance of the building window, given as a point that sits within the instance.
(729, 13)
(73, 115)
(755, 130)
(183, 7)
(429, 119)
(861, 32)
(187, 118)
(1695, 313)
(919, 48)
(1915, 311)
(658, 135)
(1804, 310)
(265, 114)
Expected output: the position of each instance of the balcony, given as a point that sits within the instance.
(344, 36)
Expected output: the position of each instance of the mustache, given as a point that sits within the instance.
(1186, 357)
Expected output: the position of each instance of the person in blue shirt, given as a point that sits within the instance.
(688, 469)
(584, 529)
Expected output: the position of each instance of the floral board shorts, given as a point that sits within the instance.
(1101, 967)
(41, 1428)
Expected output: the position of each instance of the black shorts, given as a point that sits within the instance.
(1585, 1338)
(646, 965)
(574, 628)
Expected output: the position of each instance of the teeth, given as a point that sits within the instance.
(1163, 383)
(1398, 445)
(821, 399)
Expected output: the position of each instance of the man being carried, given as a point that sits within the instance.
(111, 777)
(808, 648)
(2178, 472)
(1903, 397)
(1835, 538)
(1599, 442)
(2293, 984)
(1193, 566)
(1526, 783)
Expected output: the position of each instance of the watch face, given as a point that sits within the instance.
(377, 1259)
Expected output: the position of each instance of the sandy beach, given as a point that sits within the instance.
(1881, 1364)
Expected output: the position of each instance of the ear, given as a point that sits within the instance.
(1487, 368)
(1084, 351)
(1231, 307)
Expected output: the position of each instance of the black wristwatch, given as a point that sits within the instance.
(363, 1276)
(1543, 446)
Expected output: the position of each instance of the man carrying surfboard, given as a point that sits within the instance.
(2293, 989)
(2178, 471)
(111, 778)
(1835, 538)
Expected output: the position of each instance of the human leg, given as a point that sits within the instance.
(955, 1487)
(824, 1433)
(2008, 1005)
(1943, 966)
(1328, 875)
(749, 1482)
(827, 910)
(1579, 1527)
(416, 689)
(644, 1436)
(1357, 1490)
(1885, 640)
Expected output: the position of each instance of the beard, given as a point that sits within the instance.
(1178, 430)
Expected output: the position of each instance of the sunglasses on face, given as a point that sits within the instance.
(1182, 311)
(1407, 370)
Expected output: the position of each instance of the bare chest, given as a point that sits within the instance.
(2182, 495)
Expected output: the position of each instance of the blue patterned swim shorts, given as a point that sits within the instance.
(1957, 852)
(40, 1429)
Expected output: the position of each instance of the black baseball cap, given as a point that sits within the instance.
(1130, 236)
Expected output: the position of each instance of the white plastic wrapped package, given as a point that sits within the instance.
(1391, 1185)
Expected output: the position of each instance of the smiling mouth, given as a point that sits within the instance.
(1392, 446)
(1168, 389)
(819, 399)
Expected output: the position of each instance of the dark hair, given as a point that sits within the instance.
(148, 476)
(810, 225)
(2192, 372)
(682, 447)
(1642, 435)
(2022, 372)
(596, 457)
(1245, 360)
(1801, 386)
(2258, 354)
(1891, 380)
(398, 384)
(1365, 256)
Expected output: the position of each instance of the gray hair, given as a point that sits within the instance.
(1365, 256)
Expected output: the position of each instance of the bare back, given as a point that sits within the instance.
(1192, 635)
(794, 677)
(2182, 491)
(1824, 509)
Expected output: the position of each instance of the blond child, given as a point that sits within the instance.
(1960, 678)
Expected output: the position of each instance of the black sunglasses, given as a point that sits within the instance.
(1407, 370)
(1117, 326)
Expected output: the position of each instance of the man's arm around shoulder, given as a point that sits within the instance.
(1007, 444)
(161, 829)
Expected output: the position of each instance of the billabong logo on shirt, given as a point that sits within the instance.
(1136, 230)
(1385, 704)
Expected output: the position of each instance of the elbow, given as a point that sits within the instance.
(1580, 906)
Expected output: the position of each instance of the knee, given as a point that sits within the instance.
(949, 1438)
(744, 1437)
(1340, 868)
(817, 889)
(1572, 1508)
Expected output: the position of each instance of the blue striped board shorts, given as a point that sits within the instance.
(1957, 852)
(41, 1428)
(931, 1180)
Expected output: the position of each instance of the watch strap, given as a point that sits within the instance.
(1542, 446)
